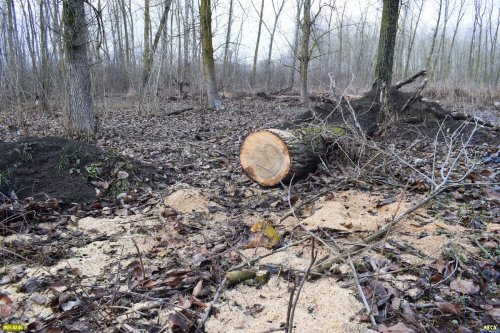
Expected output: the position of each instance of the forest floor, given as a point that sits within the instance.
(137, 231)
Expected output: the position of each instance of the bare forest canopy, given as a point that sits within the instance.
(256, 45)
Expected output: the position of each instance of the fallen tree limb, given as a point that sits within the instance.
(179, 111)
(409, 80)
(415, 95)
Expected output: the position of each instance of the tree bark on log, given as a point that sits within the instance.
(274, 156)
(271, 156)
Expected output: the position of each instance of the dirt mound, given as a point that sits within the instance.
(49, 167)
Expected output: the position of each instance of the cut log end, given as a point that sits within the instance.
(272, 156)
(265, 158)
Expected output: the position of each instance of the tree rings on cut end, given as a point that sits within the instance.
(265, 158)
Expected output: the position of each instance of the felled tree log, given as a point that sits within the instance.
(272, 156)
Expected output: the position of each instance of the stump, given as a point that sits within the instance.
(272, 156)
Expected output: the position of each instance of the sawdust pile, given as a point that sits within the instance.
(323, 307)
(188, 200)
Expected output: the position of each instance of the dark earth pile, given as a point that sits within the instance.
(49, 167)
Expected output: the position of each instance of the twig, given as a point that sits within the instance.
(304, 278)
(290, 304)
(140, 259)
(211, 305)
(449, 275)
(363, 297)
(274, 330)
(481, 247)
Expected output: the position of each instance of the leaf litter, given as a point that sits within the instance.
(172, 213)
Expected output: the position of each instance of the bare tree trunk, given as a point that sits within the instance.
(434, 36)
(228, 41)
(119, 39)
(401, 41)
(31, 36)
(494, 42)
(43, 59)
(10, 33)
(340, 20)
(147, 51)
(186, 28)
(79, 88)
(207, 51)
(480, 39)
(277, 14)
(194, 53)
(295, 44)
(125, 31)
(180, 72)
(149, 56)
(256, 53)
(461, 13)
(359, 58)
(386, 43)
(471, 46)
(304, 51)
(132, 39)
(442, 43)
(55, 30)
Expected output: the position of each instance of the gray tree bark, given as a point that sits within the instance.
(228, 40)
(387, 42)
(277, 14)
(304, 52)
(256, 53)
(79, 94)
(207, 51)
(149, 56)
(295, 46)
(43, 58)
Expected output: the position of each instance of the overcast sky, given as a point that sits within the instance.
(245, 11)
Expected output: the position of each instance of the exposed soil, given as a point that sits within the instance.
(150, 251)
(49, 167)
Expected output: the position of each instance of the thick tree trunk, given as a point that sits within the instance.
(208, 54)
(272, 156)
(387, 42)
(78, 70)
